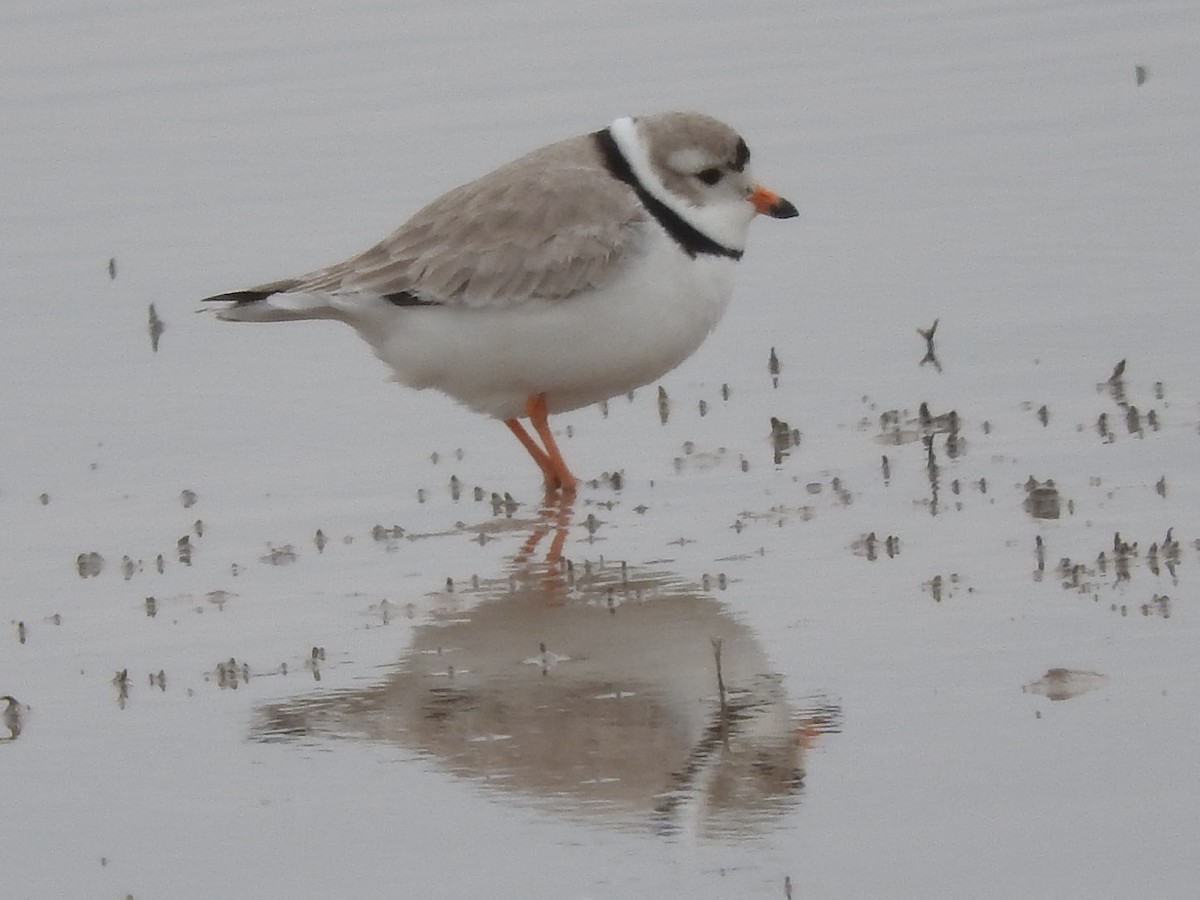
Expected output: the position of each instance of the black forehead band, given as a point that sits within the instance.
(742, 157)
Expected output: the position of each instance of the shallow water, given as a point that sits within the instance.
(275, 629)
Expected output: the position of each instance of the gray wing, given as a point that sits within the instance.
(548, 225)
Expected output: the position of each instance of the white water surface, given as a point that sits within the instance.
(994, 166)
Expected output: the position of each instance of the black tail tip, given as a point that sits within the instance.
(241, 298)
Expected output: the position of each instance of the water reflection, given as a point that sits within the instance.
(592, 688)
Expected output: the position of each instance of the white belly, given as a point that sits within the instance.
(579, 351)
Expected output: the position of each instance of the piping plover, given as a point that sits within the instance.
(580, 271)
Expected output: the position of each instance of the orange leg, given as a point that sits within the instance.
(535, 408)
(538, 454)
(546, 455)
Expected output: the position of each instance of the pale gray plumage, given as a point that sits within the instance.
(496, 240)
(581, 270)
(545, 226)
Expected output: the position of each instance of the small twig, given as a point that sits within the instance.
(930, 356)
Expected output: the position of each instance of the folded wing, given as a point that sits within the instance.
(547, 226)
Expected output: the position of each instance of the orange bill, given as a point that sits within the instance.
(771, 204)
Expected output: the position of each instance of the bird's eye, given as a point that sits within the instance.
(709, 176)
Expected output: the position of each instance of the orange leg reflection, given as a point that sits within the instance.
(556, 515)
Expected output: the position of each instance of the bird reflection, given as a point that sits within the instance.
(596, 689)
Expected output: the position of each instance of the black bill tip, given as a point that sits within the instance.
(782, 209)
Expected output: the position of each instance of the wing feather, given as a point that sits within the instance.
(546, 226)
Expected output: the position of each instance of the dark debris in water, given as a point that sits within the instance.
(1136, 421)
(1064, 684)
(898, 427)
(383, 534)
(1042, 500)
(280, 556)
(930, 357)
(783, 439)
(230, 673)
(121, 682)
(869, 546)
(13, 717)
(89, 565)
(156, 327)
(943, 587)
(1118, 562)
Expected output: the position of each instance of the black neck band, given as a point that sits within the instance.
(690, 239)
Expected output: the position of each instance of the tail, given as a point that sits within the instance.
(274, 303)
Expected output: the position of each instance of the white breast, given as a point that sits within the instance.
(599, 344)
